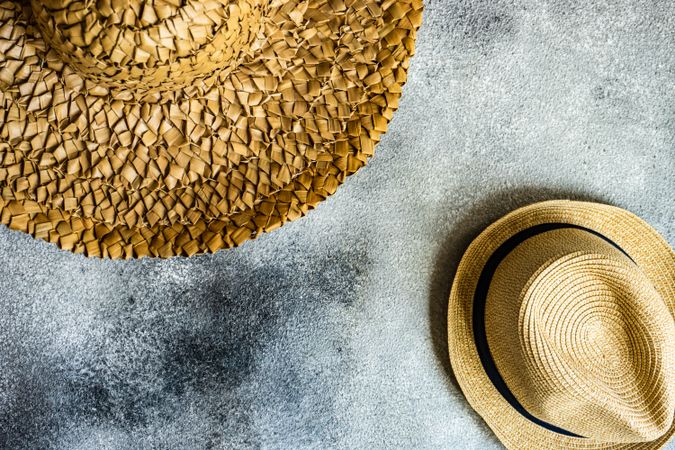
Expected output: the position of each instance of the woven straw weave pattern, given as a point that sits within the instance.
(181, 127)
(581, 337)
(655, 259)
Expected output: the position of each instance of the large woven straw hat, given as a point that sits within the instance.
(561, 328)
(173, 127)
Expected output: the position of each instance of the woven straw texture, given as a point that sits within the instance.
(173, 127)
(583, 337)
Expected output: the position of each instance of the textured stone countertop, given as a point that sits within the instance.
(330, 332)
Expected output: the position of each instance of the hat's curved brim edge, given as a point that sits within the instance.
(647, 248)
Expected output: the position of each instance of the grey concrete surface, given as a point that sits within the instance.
(330, 332)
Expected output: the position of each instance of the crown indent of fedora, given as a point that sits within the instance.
(582, 339)
(150, 44)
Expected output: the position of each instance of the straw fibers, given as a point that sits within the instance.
(134, 128)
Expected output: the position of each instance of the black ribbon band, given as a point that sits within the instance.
(480, 297)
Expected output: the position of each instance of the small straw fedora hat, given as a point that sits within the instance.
(134, 128)
(561, 328)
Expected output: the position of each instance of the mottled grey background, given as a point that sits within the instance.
(330, 332)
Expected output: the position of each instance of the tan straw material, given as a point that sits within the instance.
(561, 328)
(131, 128)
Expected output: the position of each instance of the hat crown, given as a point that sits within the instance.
(593, 350)
(149, 44)
(589, 332)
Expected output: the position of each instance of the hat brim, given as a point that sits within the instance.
(637, 238)
(185, 192)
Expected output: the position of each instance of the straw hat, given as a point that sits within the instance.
(561, 329)
(174, 127)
